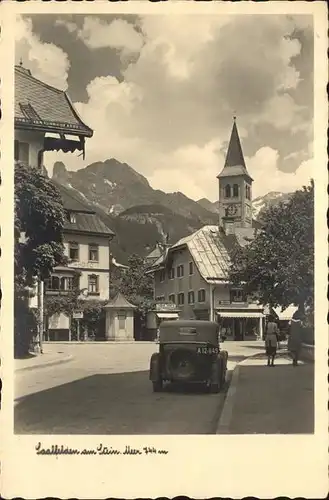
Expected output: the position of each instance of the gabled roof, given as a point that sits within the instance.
(119, 302)
(234, 162)
(211, 250)
(86, 220)
(70, 201)
(43, 107)
(88, 223)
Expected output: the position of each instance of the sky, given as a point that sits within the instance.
(160, 93)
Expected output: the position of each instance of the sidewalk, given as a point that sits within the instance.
(48, 358)
(269, 400)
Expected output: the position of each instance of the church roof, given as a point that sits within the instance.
(119, 302)
(234, 162)
(42, 107)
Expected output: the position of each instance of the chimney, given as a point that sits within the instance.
(228, 225)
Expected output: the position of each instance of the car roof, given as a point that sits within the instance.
(179, 323)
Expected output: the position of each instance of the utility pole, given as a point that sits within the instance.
(40, 311)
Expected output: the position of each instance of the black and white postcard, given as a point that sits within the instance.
(164, 249)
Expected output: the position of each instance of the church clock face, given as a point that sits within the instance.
(232, 209)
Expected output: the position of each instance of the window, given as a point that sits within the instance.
(93, 253)
(122, 316)
(237, 296)
(56, 283)
(180, 271)
(190, 268)
(235, 190)
(160, 298)
(201, 295)
(72, 218)
(29, 112)
(172, 298)
(248, 192)
(227, 191)
(171, 273)
(181, 299)
(162, 276)
(93, 283)
(73, 250)
(66, 283)
(21, 152)
(190, 297)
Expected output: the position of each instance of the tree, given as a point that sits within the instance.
(137, 287)
(39, 223)
(38, 240)
(278, 265)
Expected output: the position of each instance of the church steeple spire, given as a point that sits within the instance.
(234, 161)
(234, 156)
(235, 186)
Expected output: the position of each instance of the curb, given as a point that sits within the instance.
(226, 415)
(54, 362)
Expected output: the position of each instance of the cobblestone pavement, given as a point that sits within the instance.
(105, 390)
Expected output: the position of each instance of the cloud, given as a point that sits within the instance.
(263, 168)
(47, 61)
(171, 114)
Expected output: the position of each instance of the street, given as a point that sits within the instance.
(105, 389)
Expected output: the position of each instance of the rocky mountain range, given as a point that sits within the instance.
(139, 215)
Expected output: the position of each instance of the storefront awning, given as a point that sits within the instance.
(287, 314)
(239, 314)
(167, 315)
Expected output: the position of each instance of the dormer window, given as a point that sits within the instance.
(72, 218)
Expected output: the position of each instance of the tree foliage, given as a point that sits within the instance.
(39, 222)
(278, 265)
(136, 285)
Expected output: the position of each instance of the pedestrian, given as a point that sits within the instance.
(271, 340)
(295, 337)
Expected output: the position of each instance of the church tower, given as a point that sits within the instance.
(235, 184)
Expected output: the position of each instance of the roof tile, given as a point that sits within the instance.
(52, 106)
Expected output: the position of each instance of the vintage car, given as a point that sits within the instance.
(189, 352)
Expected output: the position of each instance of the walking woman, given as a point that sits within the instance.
(295, 337)
(271, 340)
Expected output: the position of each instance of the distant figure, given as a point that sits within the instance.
(271, 340)
(295, 337)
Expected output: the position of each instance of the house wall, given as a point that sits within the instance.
(100, 268)
(35, 141)
(112, 328)
(185, 284)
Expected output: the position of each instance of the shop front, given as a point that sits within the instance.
(241, 324)
(162, 311)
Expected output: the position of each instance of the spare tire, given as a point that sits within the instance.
(182, 365)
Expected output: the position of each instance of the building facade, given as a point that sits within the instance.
(87, 247)
(45, 120)
(194, 272)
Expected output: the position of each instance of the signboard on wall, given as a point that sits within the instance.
(165, 306)
(77, 315)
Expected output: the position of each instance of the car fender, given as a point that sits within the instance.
(224, 357)
(155, 366)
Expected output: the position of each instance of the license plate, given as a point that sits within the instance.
(207, 350)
